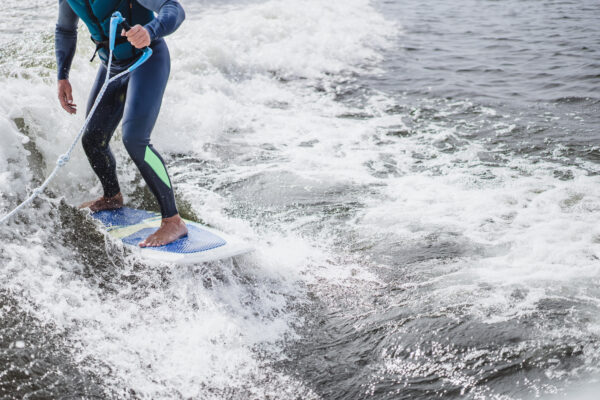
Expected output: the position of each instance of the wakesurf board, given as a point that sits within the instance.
(202, 244)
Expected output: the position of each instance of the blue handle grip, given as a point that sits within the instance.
(115, 20)
(146, 53)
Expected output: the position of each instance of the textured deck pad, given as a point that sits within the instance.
(201, 244)
(124, 216)
(197, 240)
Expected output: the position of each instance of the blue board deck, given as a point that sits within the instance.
(202, 243)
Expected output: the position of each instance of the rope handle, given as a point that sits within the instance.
(116, 20)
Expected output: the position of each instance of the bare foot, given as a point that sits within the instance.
(170, 230)
(104, 203)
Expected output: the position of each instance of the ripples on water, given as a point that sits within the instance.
(536, 64)
(419, 179)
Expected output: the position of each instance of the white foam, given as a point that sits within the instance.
(11, 152)
(230, 63)
(535, 231)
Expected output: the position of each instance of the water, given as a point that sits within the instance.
(420, 180)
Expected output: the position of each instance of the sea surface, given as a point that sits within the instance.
(420, 179)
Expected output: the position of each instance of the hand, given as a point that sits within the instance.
(65, 96)
(138, 36)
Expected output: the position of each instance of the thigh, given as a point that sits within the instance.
(100, 76)
(110, 109)
(144, 93)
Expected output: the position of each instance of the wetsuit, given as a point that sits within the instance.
(134, 98)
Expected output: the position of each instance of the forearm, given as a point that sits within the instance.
(65, 42)
(65, 39)
(170, 15)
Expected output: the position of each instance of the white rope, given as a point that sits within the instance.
(63, 159)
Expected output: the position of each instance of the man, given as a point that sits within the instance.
(135, 98)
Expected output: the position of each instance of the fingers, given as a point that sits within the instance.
(66, 101)
(134, 29)
(69, 94)
(138, 36)
(71, 107)
(65, 97)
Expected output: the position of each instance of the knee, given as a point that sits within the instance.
(90, 142)
(134, 146)
(86, 141)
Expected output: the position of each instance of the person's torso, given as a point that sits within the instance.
(96, 16)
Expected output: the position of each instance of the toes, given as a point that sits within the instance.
(154, 241)
(150, 242)
(146, 242)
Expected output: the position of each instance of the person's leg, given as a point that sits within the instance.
(97, 136)
(144, 97)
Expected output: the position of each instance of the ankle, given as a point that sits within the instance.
(172, 218)
(116, 197)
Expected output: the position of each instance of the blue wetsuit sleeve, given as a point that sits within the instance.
(65, 38)
(169, 16)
